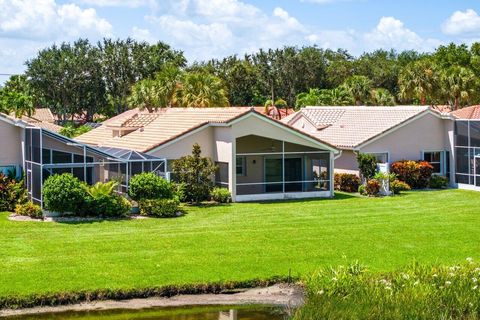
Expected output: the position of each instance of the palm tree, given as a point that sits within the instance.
(167, 82)
(339, 96)
(458, 84)
(201, 90)
(145, 95)
(359, 87)
(382, 97)
(309, 98)
(418, 80)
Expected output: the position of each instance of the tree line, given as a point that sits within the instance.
(108, 77)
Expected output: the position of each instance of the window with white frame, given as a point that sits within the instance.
(382, 157)
(435, 158)
(241, 166)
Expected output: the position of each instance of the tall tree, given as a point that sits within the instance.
(382, 97)
(201, 90)
(16, 97)
(359, 87)
(126, 61)
(68, 79)
(418, 80)
(458, 84)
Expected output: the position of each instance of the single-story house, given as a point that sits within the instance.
(389, 133)
(258, 158)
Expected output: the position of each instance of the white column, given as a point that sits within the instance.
(232, 173)
(331, 174)
(283, 166)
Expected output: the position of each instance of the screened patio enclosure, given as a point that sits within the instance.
(467, 153)
(270, 166)
(48, 153)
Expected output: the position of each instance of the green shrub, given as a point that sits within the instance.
(438, 182)
(346, 182)
(64, 193)
(12, 192)
(221, 195)
(372, 188)
(103, 201)
(413, 292)
(148, 185)
(361, 190)
(161, 208)
(195, 172)
(179, 192)
(367, 165)
(29, 209)
(397, 186)
(416, 174)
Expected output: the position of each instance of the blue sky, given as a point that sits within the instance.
(215, 28)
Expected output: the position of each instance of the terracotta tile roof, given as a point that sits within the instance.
(167, 125)
(44, 114)
(140, 120)
(348, 127)
(47, 125)
(472, 112)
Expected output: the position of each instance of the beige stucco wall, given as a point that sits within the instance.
(11, 138)
(183, 147)
(427, 133)
(347, 162)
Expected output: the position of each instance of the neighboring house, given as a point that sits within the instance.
(40, 152)
(42, 117)
(259, 158)
(389, 133)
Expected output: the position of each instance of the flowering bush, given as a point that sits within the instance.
(12, 192)
(414, 292)
(397, 186)
(29, 209)
(346, 182)
(372, 188)
(416, 174)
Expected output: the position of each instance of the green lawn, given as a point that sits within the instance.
(240, 242)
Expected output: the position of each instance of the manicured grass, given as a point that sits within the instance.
(239, 242)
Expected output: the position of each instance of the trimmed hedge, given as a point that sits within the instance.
(65, 298)
(438, 182)
(148, 185)
(221, 195)
(64, 193)
(397, 186)
(161, 208)
(346, 182)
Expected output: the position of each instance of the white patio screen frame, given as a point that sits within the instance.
(29, 163)
(284, 156)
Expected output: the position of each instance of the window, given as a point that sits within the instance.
(241, 166)
(382, 157)
(435, 158)
(61, 157)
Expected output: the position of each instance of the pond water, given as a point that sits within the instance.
(184, 313)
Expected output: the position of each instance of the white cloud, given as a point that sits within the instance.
(389, 33)
(118, 3)
(214, 28)
(459, 22)
(392, 33)
(46, 20)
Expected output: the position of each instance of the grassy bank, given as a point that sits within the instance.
(238, 242)
(415, 292)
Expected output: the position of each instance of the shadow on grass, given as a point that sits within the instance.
(338, 196)
(92, 220)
